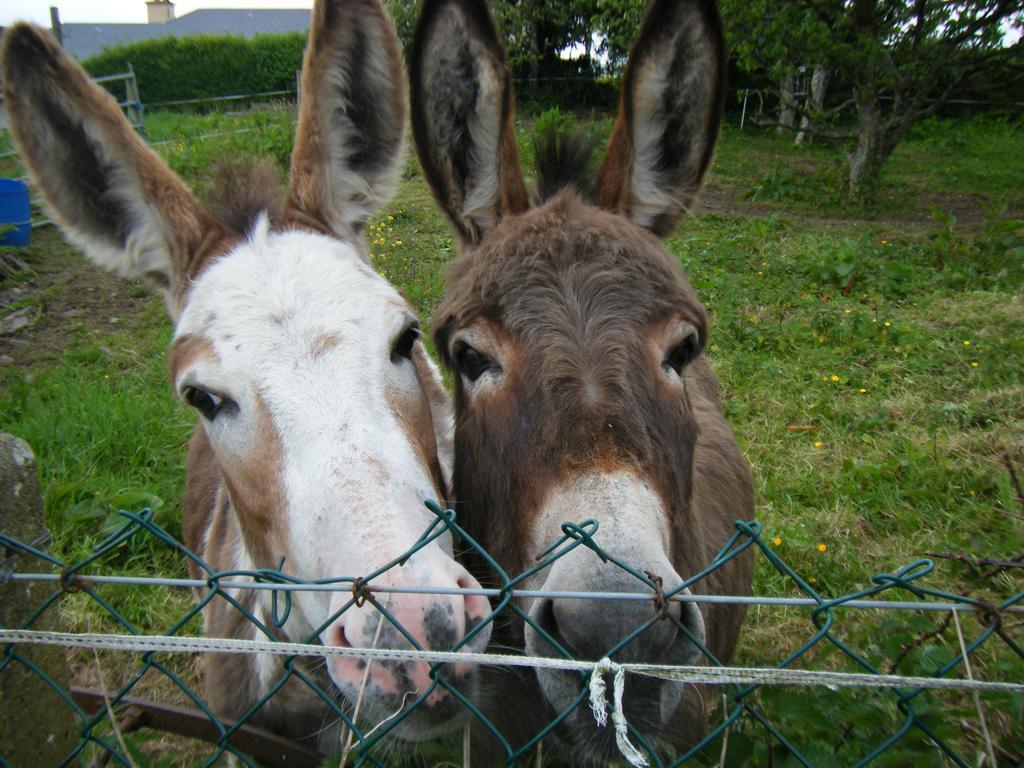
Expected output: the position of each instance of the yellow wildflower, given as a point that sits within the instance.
(834, 377)
(818, 443)
(777, 540)
(974, 364)
(822, 548)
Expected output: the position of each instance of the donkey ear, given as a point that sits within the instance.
(111, 194)
(669, 112)
(463, 116)
(348, 147)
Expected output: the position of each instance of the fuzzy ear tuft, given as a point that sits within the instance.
(670, 108)
(349, 144)
(463, 113)
(111, 194)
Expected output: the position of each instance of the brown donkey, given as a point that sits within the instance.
(323, 425)
(580, 389)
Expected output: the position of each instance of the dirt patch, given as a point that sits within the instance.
(722, 198)
(969, 211)
(59, 294)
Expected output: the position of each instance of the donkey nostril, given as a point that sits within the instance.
(336, 636)
(476, 607)
(693, 623)
(546, 622)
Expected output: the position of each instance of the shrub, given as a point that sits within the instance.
(177, 68)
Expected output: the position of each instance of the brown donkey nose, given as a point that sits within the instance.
(590, 630)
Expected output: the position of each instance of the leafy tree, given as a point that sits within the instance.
(897, 61)
(537, 31)
(616, 22)
(404, 13)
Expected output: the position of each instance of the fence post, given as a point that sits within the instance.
(36, 727)
(55, 25)
(132, 89)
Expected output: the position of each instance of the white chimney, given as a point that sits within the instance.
(160, 11)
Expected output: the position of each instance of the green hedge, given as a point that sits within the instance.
(173, 68)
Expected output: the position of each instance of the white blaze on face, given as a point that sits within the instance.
(633, 528)
(299, 332)
(633, 524)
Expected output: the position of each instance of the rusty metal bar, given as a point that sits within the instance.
(266, 747)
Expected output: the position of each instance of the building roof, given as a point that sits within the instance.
(85, 40)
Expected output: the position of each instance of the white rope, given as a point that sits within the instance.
(597, 700)
(600, 707)
(681, 674)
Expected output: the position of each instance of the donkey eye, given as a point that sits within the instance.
(207, 403)
(682, 354)
(403, 347)
(471, 363)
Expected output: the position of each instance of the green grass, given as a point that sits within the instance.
(871, 358)
(974, 163)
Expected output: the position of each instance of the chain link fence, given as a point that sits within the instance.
(960, 701)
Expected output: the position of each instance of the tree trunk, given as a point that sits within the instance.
(786, 114)
(873, 145)
(876, 140)
(866, 160)
(877, 135)
(815, 103)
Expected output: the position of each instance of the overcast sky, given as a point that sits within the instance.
(119, 10)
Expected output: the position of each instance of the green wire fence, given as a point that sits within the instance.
(893, 724)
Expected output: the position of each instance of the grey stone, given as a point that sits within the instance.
(14, 322)
(36, 726)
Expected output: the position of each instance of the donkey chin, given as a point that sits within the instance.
(629, 530)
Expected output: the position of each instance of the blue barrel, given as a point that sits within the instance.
(14, 212)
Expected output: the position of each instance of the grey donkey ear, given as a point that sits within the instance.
(349, 143)
(670, 108)
(110, 193)
(463, 115)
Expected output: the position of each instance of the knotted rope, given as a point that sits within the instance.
(599, 706)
